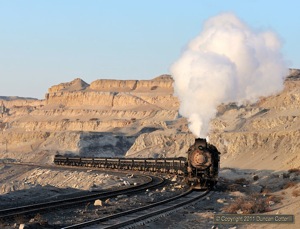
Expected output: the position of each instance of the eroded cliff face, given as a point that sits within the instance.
(140, 118)
(266, 133)
(101, 118)
(115, 94)
(161, 144)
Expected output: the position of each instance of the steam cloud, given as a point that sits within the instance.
(227, 62)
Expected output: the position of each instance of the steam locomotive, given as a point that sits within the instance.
(200, 168)
(203, 165)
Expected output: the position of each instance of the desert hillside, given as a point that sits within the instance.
(263, 135)
(140, 118)
(104, 118)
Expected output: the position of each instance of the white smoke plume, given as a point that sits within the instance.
(227, 62)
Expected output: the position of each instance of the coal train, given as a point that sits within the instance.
(200, 167)
(203, 164)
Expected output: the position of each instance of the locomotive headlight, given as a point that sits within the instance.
(197, 158)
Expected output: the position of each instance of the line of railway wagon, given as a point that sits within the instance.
(165, 165)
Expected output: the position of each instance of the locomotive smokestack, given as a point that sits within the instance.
(202, 142)
(227, 62)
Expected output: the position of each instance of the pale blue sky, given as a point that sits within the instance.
(46, 42)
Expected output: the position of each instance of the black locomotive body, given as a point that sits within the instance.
(200, 167)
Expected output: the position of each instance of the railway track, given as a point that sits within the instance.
(152, 182)
(139, 215)
(125, 218)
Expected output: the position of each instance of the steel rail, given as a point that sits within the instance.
(141, 213)
(152, 182)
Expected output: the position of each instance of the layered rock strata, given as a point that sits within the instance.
(75, 111)
(140, 118)
(266, 132)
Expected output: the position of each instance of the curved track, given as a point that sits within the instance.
(142, 213)
(152, 182)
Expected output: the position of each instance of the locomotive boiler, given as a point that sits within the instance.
(202, 165)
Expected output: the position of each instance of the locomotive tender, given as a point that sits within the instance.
(200, 167)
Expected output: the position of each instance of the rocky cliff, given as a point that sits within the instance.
(267, 132)
(140, 118)
(101, 118)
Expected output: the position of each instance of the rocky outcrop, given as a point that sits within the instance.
(111, 100)
(78, 117)
(161, 144)
(276, 150)
(19, 102)
(140, 118)
(75, 85)
(266, 132)
(105, 144)
(117, 94)
(101, 114)
(164, 82)
(114, 85)
(80, 98)
(67, 125)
